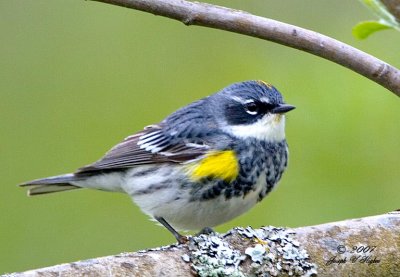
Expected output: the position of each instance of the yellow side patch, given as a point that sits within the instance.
(218, 164)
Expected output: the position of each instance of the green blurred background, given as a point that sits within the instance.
(76, 77)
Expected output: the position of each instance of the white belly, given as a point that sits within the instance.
(175, 206)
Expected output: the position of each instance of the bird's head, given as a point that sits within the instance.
(251, 109)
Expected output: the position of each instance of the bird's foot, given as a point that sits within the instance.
(180, 238)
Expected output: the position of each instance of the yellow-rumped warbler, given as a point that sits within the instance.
(203, 165)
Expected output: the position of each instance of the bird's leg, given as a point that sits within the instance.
(181, 239)
(206, 231)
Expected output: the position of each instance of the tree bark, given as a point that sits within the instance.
(367, 246)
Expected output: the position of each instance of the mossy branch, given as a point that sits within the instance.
(207, 15)
(367, 246)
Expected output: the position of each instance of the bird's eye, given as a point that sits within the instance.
(252, 108)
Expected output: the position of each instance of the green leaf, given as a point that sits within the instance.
(363, 29)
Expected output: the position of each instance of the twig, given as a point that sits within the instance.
(202, 14)
(393, 7)
(367, 246)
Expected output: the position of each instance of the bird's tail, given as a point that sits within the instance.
(51, 184)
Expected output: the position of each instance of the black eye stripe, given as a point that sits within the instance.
(268, 107)
(257, 107)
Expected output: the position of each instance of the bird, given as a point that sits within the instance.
(203, 165)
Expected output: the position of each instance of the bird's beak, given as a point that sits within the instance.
(283, 108)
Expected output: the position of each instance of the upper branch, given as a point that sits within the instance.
(202, 14)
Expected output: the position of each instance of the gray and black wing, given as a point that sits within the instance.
(185, 135)
(152, 145)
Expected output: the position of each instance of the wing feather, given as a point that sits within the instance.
(146, 147)
(185, 135)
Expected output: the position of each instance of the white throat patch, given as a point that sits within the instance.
(269, 128)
